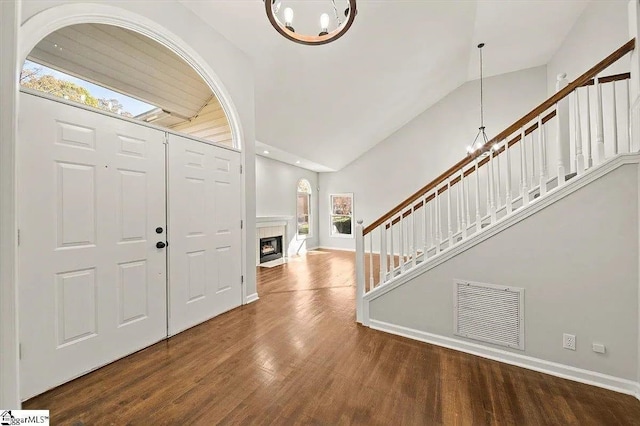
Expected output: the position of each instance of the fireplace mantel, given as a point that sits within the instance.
(266, 221)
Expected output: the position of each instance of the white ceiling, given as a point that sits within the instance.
(332, 103)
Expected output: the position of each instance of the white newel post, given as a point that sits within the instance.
(359, 271)
(562, 129)
(634, 84)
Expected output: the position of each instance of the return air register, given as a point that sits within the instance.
(490, 313)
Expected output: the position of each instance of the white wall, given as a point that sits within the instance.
(231, 66)
(276, 188)
(602, 28)
(577, 260)
(427, 146)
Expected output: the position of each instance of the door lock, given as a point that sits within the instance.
(159, 230)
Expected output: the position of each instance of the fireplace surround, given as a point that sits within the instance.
(271, 227)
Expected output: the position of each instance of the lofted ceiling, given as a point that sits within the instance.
(332, 103)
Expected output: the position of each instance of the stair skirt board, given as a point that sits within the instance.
(563, 371)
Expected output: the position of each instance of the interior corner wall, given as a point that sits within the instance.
(577, 260)
(231, 65)
(276, 189)
(601, 28)
(427, 146)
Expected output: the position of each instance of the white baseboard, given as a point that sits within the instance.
(593, 378)
(251, 298)
(336, 248)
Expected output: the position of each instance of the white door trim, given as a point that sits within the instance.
(20, 40)
(9, 383)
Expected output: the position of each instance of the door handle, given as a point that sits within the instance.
(160, 245)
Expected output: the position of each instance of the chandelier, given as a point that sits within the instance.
(481, 138)
(282, 21)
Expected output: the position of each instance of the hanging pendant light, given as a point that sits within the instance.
(481, 138)
(272, 8)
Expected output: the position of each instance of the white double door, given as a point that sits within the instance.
(93, 283)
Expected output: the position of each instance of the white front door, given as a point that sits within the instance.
(204, 232)
(92, 284)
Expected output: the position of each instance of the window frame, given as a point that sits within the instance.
(331, 215)
(309, 210)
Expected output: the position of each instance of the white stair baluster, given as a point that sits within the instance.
(523, 168)
(459, 206)
(628, 108)
(491, 180)
(507, 192)
(449, 221)
(599, 122)
(498, 185)
(488, 201)
(383, 253)
(414, 231)
(432, 220)
(578, 134)
(478, 220)
(464, 203)
(392, 264)
(615, 120)
(542, 142)
(589, 142)
(401, 242)
(562, 129)
(426, 229)
(370, 260)
(533, 163)
(438, 230)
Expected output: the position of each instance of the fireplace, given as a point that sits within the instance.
(270, 248)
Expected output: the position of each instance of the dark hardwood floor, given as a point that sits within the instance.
(297, 357)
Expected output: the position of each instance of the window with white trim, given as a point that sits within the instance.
(341, 215)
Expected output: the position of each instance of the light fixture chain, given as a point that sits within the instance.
(481, 94)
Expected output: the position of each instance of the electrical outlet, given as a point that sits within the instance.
(569, 341)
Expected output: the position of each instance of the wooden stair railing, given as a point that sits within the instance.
(584, 80)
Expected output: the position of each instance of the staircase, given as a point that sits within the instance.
(528, 162)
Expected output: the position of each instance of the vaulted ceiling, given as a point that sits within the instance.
(332, 103)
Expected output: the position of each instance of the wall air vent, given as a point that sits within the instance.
(490, 313)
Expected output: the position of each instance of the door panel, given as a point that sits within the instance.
(204, 232)
(92, 283)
